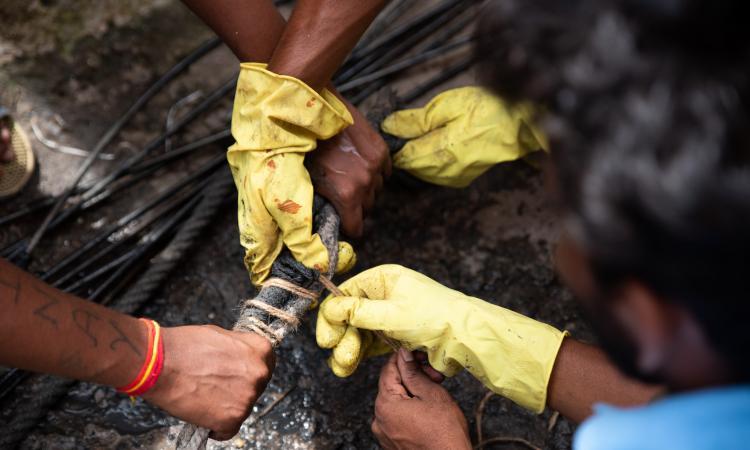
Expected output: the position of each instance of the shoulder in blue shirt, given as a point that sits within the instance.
(699, 420)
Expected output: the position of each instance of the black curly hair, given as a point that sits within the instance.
(647, 107)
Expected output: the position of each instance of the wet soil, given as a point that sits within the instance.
(493, 240)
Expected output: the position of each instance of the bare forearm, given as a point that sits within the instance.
(311, 47)
(250, 28)
(45, 330)
(584, 376)
(319, 36)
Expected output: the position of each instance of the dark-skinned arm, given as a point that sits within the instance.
(412, 410)
(583, 376)
(250, 28)
(211, 377)
(350, 168)
(311, 47)
(319, 36)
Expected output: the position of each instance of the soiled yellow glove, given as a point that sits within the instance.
(460, 134)
(275, 121)
(509, 353)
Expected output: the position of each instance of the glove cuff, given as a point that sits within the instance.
(281, 114)
(519, 364)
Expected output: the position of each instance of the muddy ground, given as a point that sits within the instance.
(84, 61)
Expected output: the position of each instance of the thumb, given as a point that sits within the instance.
(414, 379)
(406, 124)
(347, 258)
(412, 123)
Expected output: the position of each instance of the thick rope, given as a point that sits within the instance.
(291, 287)
(281, 303)
(275, 312)
(45, 390)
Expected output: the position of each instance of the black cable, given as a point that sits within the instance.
(403, 64)
(133, 215)
(358, 62)
(115, 129)
(50, 390)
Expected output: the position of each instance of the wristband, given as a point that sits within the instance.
(153, 364)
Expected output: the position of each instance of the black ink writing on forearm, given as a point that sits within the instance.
(122, 338)
(84, 320)
(14, 287)
(46, 310)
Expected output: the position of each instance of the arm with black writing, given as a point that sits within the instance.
(211, 376)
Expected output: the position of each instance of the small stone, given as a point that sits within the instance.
(99, 395)
(238, 443)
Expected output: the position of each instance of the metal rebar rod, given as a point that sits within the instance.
(202, 107)
(13, 377)
(386, 42)
(194, 191)
(114, 130)
(133, 215)
(403, 64)
(16, 249)
(113, 246)
(21, 255)
(391, 13)
(406, 44)
(441, 78)
(150, 242)
(181, 151)
(450, 32)
(10, 380)
(29, 208)
(19, 252)
(117, 262)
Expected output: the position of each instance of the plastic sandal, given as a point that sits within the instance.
(16, 174)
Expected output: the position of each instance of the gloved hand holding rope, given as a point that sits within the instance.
(276, 120)
(282, 300)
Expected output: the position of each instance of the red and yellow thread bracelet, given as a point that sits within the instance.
(152, 366)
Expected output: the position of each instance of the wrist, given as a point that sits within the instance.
(272, 110)
(163, 387)
(149, 368)
(118, 368)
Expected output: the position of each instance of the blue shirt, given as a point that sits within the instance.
(710, 419)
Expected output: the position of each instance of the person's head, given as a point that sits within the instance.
(647, 108)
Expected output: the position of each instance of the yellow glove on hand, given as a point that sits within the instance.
(509, 353)
(275, 121)
(460, 134)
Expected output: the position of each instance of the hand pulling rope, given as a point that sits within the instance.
(333, 289)
(282, 301)
(47, 390)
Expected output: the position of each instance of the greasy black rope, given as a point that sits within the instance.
(257, 315)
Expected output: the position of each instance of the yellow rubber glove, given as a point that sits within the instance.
(275, 121)
(509, 353)
(460, 134)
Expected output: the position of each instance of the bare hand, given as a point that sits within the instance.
(414, 412)
(349, 170)
(212, 377)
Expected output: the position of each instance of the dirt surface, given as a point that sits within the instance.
(492, 240)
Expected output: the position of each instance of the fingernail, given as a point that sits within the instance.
(406, 355)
